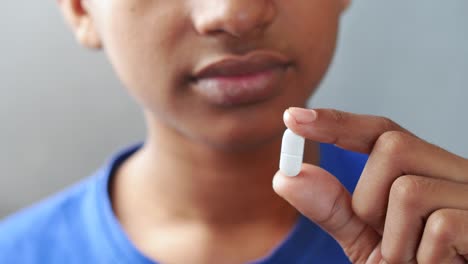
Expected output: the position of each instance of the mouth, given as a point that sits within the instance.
(240, 80)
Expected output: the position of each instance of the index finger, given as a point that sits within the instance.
(347, 130)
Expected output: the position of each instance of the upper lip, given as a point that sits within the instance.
(251, 63)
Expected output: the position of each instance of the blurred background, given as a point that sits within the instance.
(63, 112)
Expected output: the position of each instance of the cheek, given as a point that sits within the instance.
(314, 35)
(140, 38)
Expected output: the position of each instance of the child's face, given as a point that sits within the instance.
(157, 47)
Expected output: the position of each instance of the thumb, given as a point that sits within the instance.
(319, 196)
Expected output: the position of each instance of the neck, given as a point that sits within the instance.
(173, 178)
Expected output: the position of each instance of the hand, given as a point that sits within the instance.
(410, 204)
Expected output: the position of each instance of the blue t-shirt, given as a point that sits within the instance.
(79, 226)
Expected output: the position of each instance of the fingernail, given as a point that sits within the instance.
(301, 115)
(383, 262)
(287, 117)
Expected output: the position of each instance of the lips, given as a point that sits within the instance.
(235, 80)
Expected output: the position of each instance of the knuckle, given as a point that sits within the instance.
(390, 257)
(330, 219)
(406, 191)
(367, 210)
(387, 124)
(441, 227)
(338, 116)
(361, 209)
(424, 256)
(393, 255)
(392, 143)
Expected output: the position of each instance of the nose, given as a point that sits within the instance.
(234, 17)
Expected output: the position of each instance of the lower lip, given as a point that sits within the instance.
(239, 90)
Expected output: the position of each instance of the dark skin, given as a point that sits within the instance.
(409, 205)
(205, 170)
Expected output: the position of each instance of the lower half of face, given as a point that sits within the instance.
(191, 65)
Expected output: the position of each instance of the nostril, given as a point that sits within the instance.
(234, 17)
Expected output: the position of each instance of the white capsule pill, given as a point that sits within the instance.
(292, 152)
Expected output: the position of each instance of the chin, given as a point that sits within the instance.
(234, 128)
(243, 136)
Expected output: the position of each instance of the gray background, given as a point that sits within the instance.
(62, 111)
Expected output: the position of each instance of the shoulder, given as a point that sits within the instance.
(46, 229)
(74, 226)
